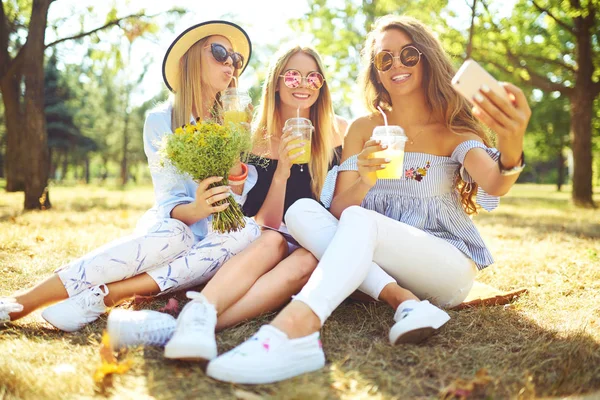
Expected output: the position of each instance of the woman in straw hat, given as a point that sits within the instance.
(172, 246)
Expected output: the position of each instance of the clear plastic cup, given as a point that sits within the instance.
(394, 137)
(235, 107)
(302, 130)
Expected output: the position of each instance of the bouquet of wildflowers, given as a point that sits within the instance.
(208, 149)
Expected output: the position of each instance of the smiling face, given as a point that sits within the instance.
(399, 80)
(301, 97)
(217, 74)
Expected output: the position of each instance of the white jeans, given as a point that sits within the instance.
(367, 250)
(165, 249)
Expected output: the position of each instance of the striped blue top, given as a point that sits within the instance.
(426, 198)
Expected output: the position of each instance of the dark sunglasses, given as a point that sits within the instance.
(292, 78)
(221, 54)
(409, 57)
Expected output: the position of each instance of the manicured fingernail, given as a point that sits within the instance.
(485, 89)
(476, 111)
(377, 141)
(383, 166)
(478, 97)
(384, 146)
(388, 160)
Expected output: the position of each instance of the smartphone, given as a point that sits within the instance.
(471, 76)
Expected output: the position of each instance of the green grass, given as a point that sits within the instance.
(546, 344)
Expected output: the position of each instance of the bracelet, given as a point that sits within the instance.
(242, 177)
(236, 183)
(514, 170)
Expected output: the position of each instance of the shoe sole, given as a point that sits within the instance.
(234, 377)
(185, 354)
(58, 326)
(415, 336)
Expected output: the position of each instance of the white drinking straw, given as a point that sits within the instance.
(384, 119)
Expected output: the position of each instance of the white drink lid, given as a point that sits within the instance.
(390, 130)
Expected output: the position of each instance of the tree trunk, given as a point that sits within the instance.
(87, 168)
(65, 164)
(582, 108)
(35, 135)
(124, 172)
(560, 159)
(581, 136)
(13, 117)
(472, 29)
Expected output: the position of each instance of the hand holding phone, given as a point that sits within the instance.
(471, 77)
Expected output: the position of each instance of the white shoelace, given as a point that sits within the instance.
(91, 298)
(158, 333)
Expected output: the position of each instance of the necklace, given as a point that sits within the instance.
(412, 141)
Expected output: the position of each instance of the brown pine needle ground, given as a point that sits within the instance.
(546, 344)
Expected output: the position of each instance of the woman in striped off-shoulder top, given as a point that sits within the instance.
(410, 241)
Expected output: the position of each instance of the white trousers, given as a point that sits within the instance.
(366, 250)
(166, 249)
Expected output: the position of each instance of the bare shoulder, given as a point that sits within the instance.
(455, 137)
(362, 127)
(341, 127)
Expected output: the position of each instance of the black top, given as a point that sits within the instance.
(298, 184)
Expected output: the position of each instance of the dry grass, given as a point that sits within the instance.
(547, 344)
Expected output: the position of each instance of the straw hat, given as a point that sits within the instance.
(237, 36)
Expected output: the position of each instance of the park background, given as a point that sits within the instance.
(77, 78)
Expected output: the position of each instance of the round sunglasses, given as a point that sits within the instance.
(292, 78)
(409, 57)
(220, 53)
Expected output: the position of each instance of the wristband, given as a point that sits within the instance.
(236, 183)
(242, 177)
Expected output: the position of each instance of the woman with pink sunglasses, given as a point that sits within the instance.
(409, 242)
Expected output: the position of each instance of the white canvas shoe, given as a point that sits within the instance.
(416, 321)
(7, 306)
(128, 328)
(268, 356)
(76, 312)
(194, 337)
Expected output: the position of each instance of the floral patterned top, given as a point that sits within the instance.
(427, 199)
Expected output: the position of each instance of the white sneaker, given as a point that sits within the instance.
(7, 306)
(75, 312)
(194, 337)
(267, 357)
(133, 328)
(416, 321)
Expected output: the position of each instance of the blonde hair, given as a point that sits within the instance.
(193, 80)
(322, 117)
(450, 107)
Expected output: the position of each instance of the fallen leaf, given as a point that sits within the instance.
(172, 307)
(108, 362)
(467, 388)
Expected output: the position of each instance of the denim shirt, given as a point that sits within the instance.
(170, 187)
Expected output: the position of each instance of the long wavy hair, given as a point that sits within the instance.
(193, 82)
(438, 71)
(268, 121)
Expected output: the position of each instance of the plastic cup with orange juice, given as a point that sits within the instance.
(235, 107)
(394, 137)
(301, 129)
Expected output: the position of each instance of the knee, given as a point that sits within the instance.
(298, 210)
(304, 265)
(354, 214)
(272, 241)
